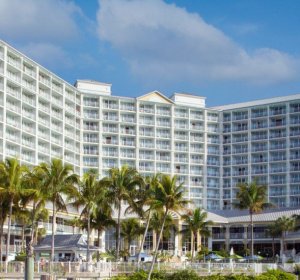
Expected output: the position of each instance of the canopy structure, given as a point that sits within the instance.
(67, 247)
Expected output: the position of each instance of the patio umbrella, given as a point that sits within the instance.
(254, 258)
(213, 256)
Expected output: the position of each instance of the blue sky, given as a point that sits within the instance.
(228, 51)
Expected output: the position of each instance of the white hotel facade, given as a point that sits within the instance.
(209, 149)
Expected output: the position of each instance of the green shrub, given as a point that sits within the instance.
(278, 275)
(192, 275)
(21, 257)
(183, 275)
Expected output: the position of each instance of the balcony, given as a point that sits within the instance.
(91, 127)
(146, 145)
(236, 235)
(275, 112)
(91, 139)
(90, 103)
(13, 61)
(90, 152)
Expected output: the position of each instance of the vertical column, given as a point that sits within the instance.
(245, 241)
(154, 238)
(102, 241)
(178, 240)
(209, 243)
(227, 237)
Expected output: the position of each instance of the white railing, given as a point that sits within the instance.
(110, 269)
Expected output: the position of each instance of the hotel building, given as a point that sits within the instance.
(210, 150)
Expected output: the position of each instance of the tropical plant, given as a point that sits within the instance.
(155, 224)
(285, 224)
(34, 180)
(252, 197)
(130, 230)
(76, 222)
(60, 182)
(273, 231)
(196, 223)
(121, 184)
(11, 176)
(89, 195)
(102, 220)
(4, 210)
(141, 204)
(168, 195)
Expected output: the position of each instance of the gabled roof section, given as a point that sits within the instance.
(155, 96)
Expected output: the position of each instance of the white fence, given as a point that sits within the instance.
(107, 269)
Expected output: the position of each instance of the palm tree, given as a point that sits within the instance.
(155, 224)
(130, 230)
(4, 210)
(60, 181)
(285, 224)
(75, 223)
(197, 223)
(90, 194)
(252, 197)
(273, 231)
(121, 184)
(141, 205)
(34, 180)
(169, 196)
(11, 176)
(102, 220)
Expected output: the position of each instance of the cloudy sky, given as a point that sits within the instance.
(228, 51)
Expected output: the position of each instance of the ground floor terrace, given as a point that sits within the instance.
(231, 229)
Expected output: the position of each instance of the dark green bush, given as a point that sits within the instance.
(192, 275)
(183, 275)
(279, 275)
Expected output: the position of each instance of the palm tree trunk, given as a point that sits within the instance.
(1, 239)
(157, 245)
(8, 232)
(88, 237)
(192, 245)
(23, 237)
(273, 247)
(118, 233)
(53, 231)
(252, 243)
(98, 253)
(32, 223)
(141, 249)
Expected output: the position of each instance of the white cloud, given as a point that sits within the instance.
(163, 41)
(49, 55)
(36, 20)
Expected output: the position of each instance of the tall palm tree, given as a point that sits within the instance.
(34, 180)
(252, 197)
(155, 224)
(121, 183)
(285, 224)
(273, 231)
(61, 182)
(4, 210)
(197, 222)
(130, 230)
(11, 176)
(102, 220)
(141, 204)
(90, 194)
(169, 196)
